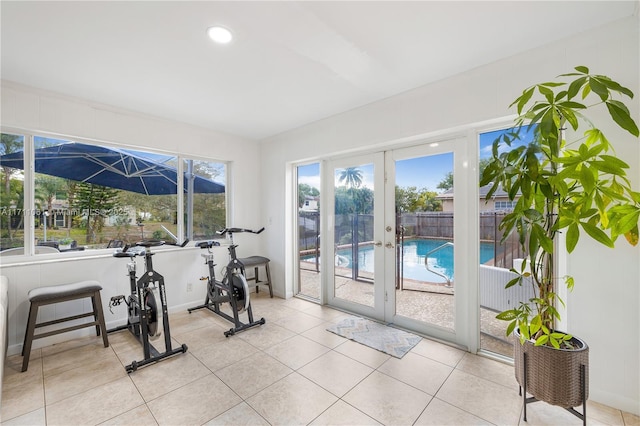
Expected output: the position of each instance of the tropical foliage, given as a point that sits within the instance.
(351, 177)
(411, 199)
(576, 187)
(352, 200)
(11, 194)
(97, 201)
(304, 191)
(352, 197)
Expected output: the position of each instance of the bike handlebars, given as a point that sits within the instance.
(212, 243)
(150, 243)
(235, 230)
(140, 247)
(128, 251)
(156, 243)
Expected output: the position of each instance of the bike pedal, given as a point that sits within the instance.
(115, 301)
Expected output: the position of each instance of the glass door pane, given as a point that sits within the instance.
(424, 260)
(309, 230)
(356, 245)
(496, 258)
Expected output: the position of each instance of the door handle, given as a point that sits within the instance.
(388, 245)
(378, 244)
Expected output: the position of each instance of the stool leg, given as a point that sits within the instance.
(26, 332)
(266, 268)
(255, 273)
(96, 317)
(28, 337)
(99, 316)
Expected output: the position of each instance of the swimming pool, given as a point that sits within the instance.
(413, 259)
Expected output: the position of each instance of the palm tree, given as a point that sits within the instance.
(351, 176)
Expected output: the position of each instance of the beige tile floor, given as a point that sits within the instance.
(290, 371)
(433, 304)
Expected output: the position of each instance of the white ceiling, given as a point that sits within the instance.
(291, 63)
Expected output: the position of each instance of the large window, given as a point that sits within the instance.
(89, 196)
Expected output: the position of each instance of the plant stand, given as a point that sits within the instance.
(556, 376)
(572, 410)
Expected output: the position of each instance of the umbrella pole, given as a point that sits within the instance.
(190, 190)
(44, 224)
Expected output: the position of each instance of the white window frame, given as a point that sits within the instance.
(29, 187)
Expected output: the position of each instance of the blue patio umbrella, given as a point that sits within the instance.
(129, 170)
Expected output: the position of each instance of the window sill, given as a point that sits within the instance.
(73, 255)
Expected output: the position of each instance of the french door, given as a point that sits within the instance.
(357, 239)
(391, 247)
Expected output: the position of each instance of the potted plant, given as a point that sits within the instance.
(65, 243)
(576, 187)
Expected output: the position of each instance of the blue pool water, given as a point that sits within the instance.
(414, 255)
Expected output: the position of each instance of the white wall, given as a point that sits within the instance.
(177, 266)
(605, 303)
(36, 110)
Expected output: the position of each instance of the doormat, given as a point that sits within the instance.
(377, 336)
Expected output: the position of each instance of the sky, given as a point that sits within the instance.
(309, 174)
(419, 172)
(422, 172)
(486, 141)
(408, 172)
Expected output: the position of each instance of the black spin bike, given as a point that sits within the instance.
(233, 288)
(147, 319)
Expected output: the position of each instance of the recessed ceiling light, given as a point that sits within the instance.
(220, 35)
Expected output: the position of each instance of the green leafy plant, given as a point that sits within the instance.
(65, 241)
(570, 187)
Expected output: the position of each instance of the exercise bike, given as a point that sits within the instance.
(233, 288)
(148, 315)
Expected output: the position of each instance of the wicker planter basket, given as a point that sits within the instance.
(553, 375)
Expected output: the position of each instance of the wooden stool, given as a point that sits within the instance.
(61, 293)
(256, 262)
